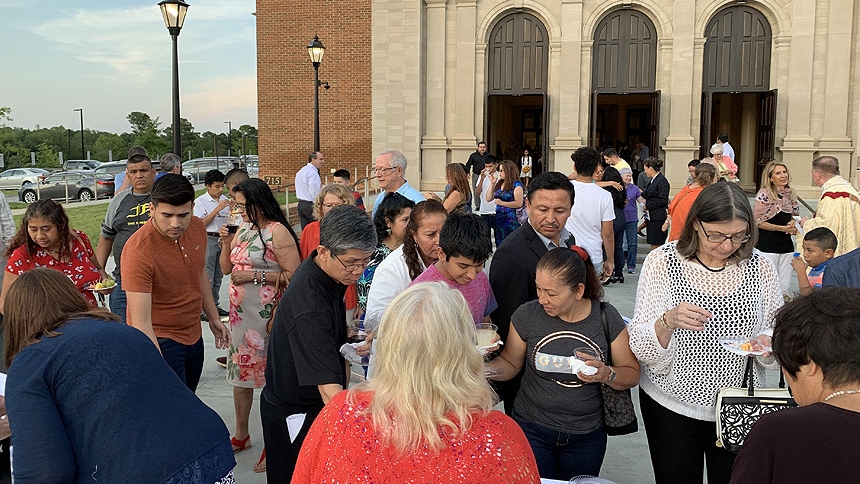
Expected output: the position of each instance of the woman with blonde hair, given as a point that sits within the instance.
(428, 406)
(774, 209)
(330, 196)
(91, 399)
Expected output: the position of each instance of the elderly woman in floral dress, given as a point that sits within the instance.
(262, 252)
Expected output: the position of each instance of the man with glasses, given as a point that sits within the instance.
(305, 369)
(390, 171)
(308, 186)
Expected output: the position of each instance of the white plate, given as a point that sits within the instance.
(733, 345)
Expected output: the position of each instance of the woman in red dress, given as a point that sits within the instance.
(46, 240)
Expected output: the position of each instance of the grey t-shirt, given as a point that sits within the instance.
(561, 401)
(126, 213)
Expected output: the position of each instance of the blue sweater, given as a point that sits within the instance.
(98, 403)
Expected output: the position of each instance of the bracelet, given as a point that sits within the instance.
(664, 324)
(264, 278)
(255, 277)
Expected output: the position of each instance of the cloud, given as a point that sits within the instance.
(221, 98)
(133, 42)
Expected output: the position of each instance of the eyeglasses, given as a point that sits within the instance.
(353, 267)
(329, 206)
(239, 206)
(720, 238)
(383, 170)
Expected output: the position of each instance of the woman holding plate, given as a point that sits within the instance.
(710, 284)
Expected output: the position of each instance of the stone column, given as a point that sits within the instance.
(434, 143)
(566, 103)
(465, 136)
(834, 138)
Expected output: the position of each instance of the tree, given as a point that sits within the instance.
(109, 142)
(142, 123)
(4, 115)
(147, 133)
(47, 156)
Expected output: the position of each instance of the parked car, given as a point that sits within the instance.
(251, 164)
(116, 167)
(70, 165)
(14, 178)
(198, 167)
(69, 185)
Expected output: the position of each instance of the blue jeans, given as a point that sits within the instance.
(185, 360)
(632, 243)
(560, 455)
(117, 300)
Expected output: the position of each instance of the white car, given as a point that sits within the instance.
(15, 178)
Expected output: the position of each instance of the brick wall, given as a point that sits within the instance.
(285, 86)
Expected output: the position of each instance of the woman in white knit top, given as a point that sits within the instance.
(711, 283)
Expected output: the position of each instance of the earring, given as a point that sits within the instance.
(388, 231)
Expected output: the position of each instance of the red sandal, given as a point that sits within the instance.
(240, 445)
(261, 464)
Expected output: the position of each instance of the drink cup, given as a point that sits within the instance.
(486, 334)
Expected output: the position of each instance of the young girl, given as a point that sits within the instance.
(526, 167)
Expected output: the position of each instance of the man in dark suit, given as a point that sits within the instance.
(512, 271)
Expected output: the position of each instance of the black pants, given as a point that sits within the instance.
(490, 219)
(281, 454)
(306, 214)
(678, 443)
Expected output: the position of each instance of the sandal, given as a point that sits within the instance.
(240, 445)
(261, 464)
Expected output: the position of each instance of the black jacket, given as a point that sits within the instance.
(656, 196)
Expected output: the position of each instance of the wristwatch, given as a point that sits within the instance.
(612, 375)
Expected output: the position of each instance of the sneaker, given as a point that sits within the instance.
(222, 361)
(631, 270)
(640, 234)
(222, 312)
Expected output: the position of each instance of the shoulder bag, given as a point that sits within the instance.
(619, 416)
(738, 409)
(280, 285)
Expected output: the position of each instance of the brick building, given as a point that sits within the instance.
(431, 77)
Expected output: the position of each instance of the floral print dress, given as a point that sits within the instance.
(250, 308)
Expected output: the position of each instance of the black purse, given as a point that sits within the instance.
(619, 416)
(738, 409)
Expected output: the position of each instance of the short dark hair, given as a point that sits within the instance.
(235, 173)
(213, 176)
(822, 328)
(481, 143)
(723, 137)
(341, 173)
(312, 156)
(551, 180)
(569, 268)
(718, 202)
(466, 235)
(695, 162)
(388, 210)
(139, 158)
(610, 152)
(822, 237)
(136, 150)
(585, 160)
(172, 189)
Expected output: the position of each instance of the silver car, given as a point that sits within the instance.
(68, 185)
(14, 178)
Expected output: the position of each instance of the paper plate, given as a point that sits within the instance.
(734, 344)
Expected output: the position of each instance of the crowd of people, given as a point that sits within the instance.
(410, 276)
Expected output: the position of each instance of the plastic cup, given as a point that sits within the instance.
(486, 333)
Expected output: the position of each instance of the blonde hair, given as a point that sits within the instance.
(332, 189)
(768, 185)
(429, 373)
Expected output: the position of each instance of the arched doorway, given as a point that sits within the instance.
(516, 115)
(736, 99)
(625, 106)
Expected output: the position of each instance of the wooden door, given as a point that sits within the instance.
(737, 51)
(624, 56)
(518, 56)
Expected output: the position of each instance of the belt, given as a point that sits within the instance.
(213, 234)
(306, 201)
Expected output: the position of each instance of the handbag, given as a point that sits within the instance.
(280, 285)
(619, 416)
(738, 409)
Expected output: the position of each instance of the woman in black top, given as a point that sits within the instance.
(775, 204)
(619, 200)
(656, 196)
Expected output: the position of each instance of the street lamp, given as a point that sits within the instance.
(229, 138)
(173, 12)
(82, 132)
(316, 51)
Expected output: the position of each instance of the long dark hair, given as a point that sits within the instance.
(421, 211)
(389, 209)
(27, 317)
(619, 197)
(259, 202)
(572, 267)
(52, 212)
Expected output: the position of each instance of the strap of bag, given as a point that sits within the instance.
(606, 332)
(748, 377)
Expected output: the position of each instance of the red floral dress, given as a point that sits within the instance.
(250, 307)
(79, 267)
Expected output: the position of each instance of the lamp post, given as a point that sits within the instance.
(174, 12)
(229, 137)
(82, 132)
(316, 51)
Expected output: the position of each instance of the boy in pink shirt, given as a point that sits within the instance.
(465, 246)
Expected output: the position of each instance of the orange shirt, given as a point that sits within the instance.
(170, 271)
(679, 208)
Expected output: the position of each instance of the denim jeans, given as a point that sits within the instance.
(117, 300)
(185, 360)
(632, 243)
(560, 455)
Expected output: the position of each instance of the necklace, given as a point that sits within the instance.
(841, 392)
(721, 269)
